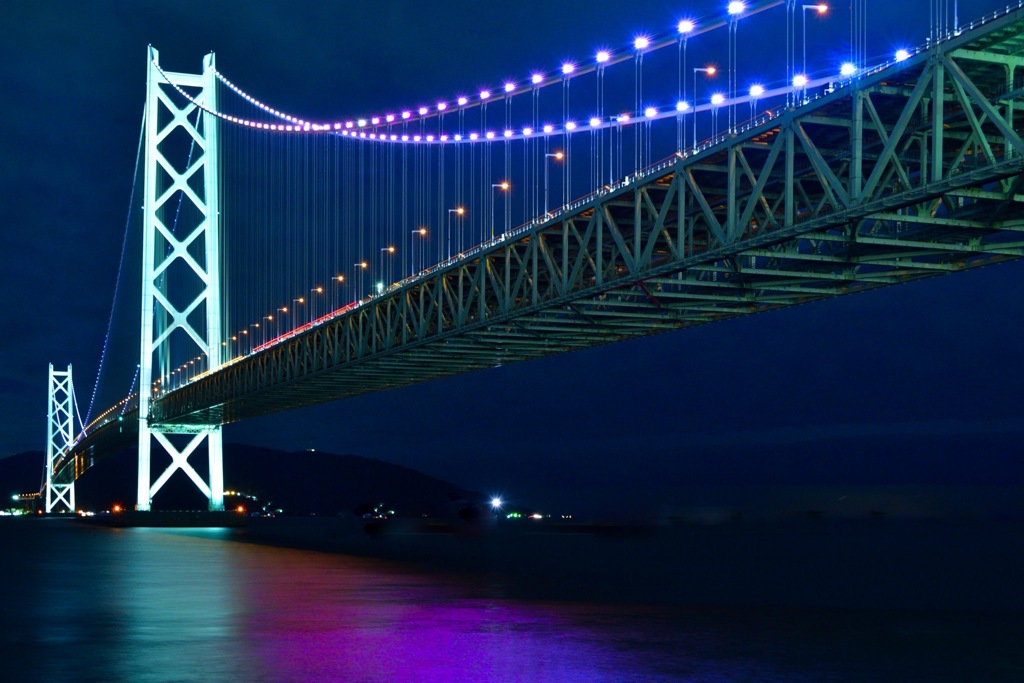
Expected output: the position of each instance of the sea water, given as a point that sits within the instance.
(84, 603)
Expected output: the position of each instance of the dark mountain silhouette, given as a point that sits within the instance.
(300, 483)
(21, 473)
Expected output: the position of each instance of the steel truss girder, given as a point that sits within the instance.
(905, 174)
(60, 482)
(161, 316)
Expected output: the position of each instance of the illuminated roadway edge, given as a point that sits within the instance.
(804, 205)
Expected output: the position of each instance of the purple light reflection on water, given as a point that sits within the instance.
(147, 605)
(159, 605)
(344, 618)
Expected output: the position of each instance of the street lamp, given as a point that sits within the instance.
(820, 9)
(504, 186)
(362, 265)
(716, 101)
(755, 92)
(340, 279)
(641, 43)
(686, 27)
(800, 82)
(284, 310)
(422, 232)
(312, 306)
(457, 210)
(557, 156)
(710, 71)
(380, 284)
(735, 9)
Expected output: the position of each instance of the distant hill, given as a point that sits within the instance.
(301, 483)
(20, 473)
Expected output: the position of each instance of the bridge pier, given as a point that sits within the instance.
(213, 490)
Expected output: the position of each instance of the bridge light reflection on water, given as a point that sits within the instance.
(157, 605)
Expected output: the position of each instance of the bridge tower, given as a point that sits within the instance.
(60, 426)
(180, 266)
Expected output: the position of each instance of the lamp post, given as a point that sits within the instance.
(790, 50)
(686, 27)
(710, 71)
(800, 82)
(820, 9)
(755, 92)
(283, 310)
(640, 44)
(459, 211)
(384, 277)
(735, 9)
(413, 248)
(362, 265)
(557, 156)
(340, 279)
(504, 187)
(312, 306)
(716, 101)
(601, 59)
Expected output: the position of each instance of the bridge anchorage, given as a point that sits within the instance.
(899, 172)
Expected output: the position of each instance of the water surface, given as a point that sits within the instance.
(143, 605)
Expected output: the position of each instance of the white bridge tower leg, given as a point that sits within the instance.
(180, 267)
(60, 425)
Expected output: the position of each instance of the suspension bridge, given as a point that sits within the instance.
(289, 262)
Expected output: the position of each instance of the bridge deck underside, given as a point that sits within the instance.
(910, 173)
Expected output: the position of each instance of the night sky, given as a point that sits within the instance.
(914, 386)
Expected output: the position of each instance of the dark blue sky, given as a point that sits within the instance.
(919, 384)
